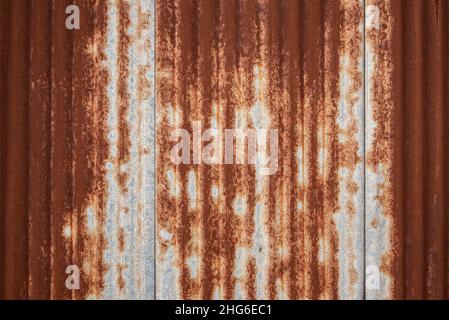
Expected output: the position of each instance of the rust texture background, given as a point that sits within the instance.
(357, 207)
(74, 108)
(407, 147)
(225, 231)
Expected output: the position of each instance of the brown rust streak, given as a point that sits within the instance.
(210, 263)
(313, 104)
(434, 238)
(333, 25)
(123, 100)
(62, 153)
(172, 62)
(351, 45)
(185, 82)
(281, 209)
(39, 153)
(15, 211)
(413, 98)
(99, 100)
(293, 47)
(145, 87)
(124, 41)
(227, 99)
(4, 30)
(394, 262)
(250, 286)
(274, 219)
(445, 53)
(90, 146)
(246, 179)
(165, 61)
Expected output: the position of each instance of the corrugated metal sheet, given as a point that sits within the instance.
(346, 99)
(226, 231)
(77, 149)
(407, 147)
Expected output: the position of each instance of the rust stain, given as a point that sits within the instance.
(314, 163)
(55, 113)
(122, 86)
(408, 152)
(243, 65)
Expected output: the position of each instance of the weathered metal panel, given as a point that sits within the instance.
(228, 230)
(407, 143)
(333, 183)
(77, 149)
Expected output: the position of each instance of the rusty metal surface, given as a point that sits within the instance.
(347, 100)
(407, 148)
(77, 149)
(227, 231)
